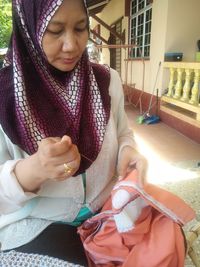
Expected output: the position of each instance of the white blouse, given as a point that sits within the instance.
(24, 215)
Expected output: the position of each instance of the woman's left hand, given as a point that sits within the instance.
(130, 159)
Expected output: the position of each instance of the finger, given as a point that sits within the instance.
(63, 145)
(141, 167)
(66, 140)
(68, 169)
(56, 146)
(64, 171)
(131, 166)
(49, 140)
(46, 145)
(71, 155)
(60, 179)
(123, 170)
(127, 168)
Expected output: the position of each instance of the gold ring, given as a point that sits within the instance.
(67, 168)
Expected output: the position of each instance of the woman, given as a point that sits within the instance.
(64, 135)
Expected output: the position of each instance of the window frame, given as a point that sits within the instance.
(140, 21)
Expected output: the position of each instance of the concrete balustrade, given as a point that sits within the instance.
(183, 96)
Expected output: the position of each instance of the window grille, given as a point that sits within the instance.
(140, 27)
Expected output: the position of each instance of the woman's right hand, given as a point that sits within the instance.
(53, 153)
(56, 158)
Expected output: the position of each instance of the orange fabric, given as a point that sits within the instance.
(155, 238)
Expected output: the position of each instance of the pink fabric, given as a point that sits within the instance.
(154, 239)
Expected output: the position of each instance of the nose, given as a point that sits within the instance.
(69, 42)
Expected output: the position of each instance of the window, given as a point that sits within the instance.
(140, 27)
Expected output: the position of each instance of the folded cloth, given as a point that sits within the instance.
(137, 227)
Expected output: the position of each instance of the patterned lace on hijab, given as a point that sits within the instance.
(40, 101)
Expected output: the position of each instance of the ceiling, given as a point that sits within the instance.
(96, 6)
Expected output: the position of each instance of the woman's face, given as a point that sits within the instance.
(66, 36)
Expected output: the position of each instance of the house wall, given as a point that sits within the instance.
(183, 27)
(182, 31)
(175, 27)
(158, 42)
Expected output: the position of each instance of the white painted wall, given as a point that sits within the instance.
(158, 40)
(182, 31)
(175, 27)
(183, 27)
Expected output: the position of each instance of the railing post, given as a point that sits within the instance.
(178, 86)
(187, 86)
(195, 89)
(183, 97)
(171, 82)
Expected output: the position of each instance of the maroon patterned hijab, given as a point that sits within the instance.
(38, 101)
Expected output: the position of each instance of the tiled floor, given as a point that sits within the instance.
(162, 145)
(169, 143)
(173, 163)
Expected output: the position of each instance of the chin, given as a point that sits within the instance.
(65, 68)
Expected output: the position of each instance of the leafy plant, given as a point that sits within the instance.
(5, 22)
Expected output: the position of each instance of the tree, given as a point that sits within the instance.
(5, 22)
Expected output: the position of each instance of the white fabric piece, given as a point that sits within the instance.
(125, 220)
(120, 198)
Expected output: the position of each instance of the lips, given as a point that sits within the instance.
(69, 60)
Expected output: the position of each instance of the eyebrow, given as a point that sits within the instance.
(55, 22)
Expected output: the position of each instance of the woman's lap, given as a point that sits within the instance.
(59, 241)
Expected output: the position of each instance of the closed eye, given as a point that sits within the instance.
(54, 32)
(81, 29)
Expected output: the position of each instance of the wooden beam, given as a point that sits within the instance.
(102, 3)
(127, 8)
(116, 46)
(93, 41)
(99, 36)
(119, 36)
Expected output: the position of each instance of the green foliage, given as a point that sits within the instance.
(5, 22)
